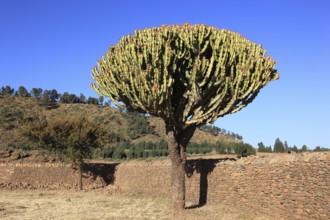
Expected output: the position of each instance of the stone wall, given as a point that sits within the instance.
(54, 175)
(284, 186)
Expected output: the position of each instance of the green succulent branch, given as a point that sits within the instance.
(188, 74)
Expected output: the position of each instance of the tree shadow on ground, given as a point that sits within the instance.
(204, 167)
(103, 170)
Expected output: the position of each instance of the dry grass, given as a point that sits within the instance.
(37, 204)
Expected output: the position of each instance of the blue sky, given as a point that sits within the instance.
(55, 43)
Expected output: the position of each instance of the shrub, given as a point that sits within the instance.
(119, 153)
(108, 152)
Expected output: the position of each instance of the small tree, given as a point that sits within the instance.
(101, 99)
(45, 100)
(7, 90)
(82, 98)
(304, 148)
(93, 101)
(295, 148)
(36, 92)
(22, 92)
(69, 98)
(188, 75)
(70, 137)
(261, 147)
(278, 146)
(54, 95)
(269, 149)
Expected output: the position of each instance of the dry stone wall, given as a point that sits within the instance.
(282, 186)
(54, 175)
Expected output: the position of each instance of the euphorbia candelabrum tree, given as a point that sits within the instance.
(188, 75)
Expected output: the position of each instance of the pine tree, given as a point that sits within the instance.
(286, 146)
(45, 100)
(82, 98)
(7, 90)
(22, 92)
(53, 95)
(304, 148)
(37, 93)
(261, 147)
(278, 146)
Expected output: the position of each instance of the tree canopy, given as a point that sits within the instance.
(188, 75)
(212, 72)
(71, 136)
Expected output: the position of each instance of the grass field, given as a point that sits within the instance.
(38, 204)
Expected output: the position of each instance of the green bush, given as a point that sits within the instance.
(145, 154)
(108, 152)
(131, 153)
(164, 153)
(97, 153)
(119, 153)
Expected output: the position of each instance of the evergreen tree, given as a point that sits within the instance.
(45, 100)
(278, 146)
(69, 98)
(93, 101)
(82, 98)
(286, 146)
(65, 98)
(138, 124)
(7, 90)
(295, 149)
(321, 149)
(269, 149)
(101, 99)
(37, 93)
(304, 148)
(53, 95)
(261, 147)
(22, 92)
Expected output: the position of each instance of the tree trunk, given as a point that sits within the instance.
(80, 184)
(177, 142)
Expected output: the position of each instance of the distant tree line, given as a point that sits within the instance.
(75, 138)
(126, 150)
(51, 97)
(216, 131)
(280, 147)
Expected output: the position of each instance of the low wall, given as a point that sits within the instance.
(55, 175)
(282, 186)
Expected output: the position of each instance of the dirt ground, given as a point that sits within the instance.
(88, 205)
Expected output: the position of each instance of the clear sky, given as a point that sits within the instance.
(55, 43)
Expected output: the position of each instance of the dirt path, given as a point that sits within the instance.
(37, 204)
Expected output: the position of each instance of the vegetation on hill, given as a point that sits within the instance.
(70, 137)
(280, 147)
(129, 134)
(124, 127)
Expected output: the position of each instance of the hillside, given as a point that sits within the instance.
(123, 127)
